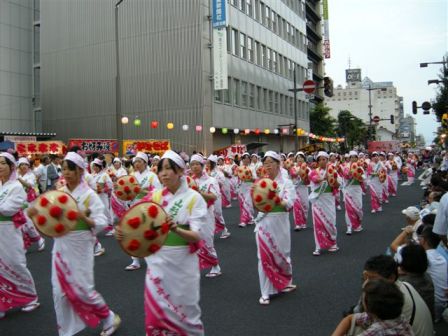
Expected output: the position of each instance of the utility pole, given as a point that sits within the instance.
(119, 126)
(296, 138)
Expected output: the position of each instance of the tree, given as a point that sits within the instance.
(441, 104)
(351, 128)
(321, 123)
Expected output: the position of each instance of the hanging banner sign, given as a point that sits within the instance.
(219, 13)
(16, 138)
(90, 146)
(220, 59)
(231, 150)
(40, 148)
(131, 147)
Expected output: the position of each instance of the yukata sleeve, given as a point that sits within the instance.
(14, 201)
(96, 208)
(197, 210)
(289, 195)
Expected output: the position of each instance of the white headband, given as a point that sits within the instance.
(322, 153)
(10, 157)
(98, 162)
(173, 156)
(197, 158)
(117, 160)
(76, 159)
(213, 158)
(23, 160)
(353, 153)
(143, 156)
(273, 155)
(300, 153)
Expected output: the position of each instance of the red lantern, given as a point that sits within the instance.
(154, 124)
(257, 131)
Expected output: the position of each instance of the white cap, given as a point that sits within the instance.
(353, 153)
(10, 157)
(23, 160)
(76, 159)
(300, 153)
(244, 154)
(322, 153)
(273, 155)
(117, 160)
(197, 158)
(412, 212)
(141, 155)
(213, 158)
(98, 162)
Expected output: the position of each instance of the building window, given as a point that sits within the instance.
(242, 5)
(276, 106)
(250, 50)
(274, 61)
(36, 40)
(274, 21)
(271, 101)
(263, 13)
(291, 106)
(251, 95)
(244, 94)
(218, 95)
(268, 17)
(225, 93)
(268, 58)
(236, 92)
(258, 59)
(249, 7)
(282, 104)
(264, 57)
(260, 105)
(257, 10)
(243, 46)
(229, 39)
(235, 42)
(265, 100)
(280, 64)
(279, 25)
(235, 3)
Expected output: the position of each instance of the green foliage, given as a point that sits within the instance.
(321, 123)
(351, 128)
(441, 104)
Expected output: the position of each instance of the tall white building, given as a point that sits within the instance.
(358, 94)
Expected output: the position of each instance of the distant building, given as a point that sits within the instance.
(355, 97)
(420, 141)
(407, 129)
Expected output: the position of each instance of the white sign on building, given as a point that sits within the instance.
(220, 58)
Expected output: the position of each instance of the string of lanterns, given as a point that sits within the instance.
(198, 128)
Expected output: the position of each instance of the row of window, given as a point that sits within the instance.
(251, 50)
(247, 95)
(262, 13)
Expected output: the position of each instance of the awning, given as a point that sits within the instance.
(255, 145)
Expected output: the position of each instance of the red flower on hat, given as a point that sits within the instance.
(59, 228)
(134, 222)
(153, 248)
(41, 220)
(55, 211)
(133, 245)
(150, 234)
(44, 201)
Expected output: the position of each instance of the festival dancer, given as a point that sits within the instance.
(385, 185)
(172, 277)
(117, 169)
(244, 199)
(392, 175)
(301, 203)
(17, 287)
(352, 197)
(103, 187)
(226, 188)
(411, 163)
(29, 182)
(333, 160)
(209, 190)
(376, 187)
(148, 182)
(273, 236)
(323, 207)
(76, 302)
(220, 224)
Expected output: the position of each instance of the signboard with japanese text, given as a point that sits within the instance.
(353, 75)
(90, 146)
(131, 147)
(326, 30)
(18, 138)
(384, 146)
(219, 13)
(231, 150)
(40, 148)
(220, 59)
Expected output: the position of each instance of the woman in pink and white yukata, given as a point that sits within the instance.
(17, 289)
(323, 207)
(273, 235)
(76, 302)
(244, 198)
(171, 297)
(376, 187)
(301, 203)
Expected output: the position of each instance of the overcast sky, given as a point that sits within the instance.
(388, 39)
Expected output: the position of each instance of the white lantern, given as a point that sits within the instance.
(124, 120)
(185, 127)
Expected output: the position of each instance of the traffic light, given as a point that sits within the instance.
(426, 106)
(328, 86)
(392, 119)
(414, 107)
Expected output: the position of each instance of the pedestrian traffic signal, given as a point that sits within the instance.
(414, 107)
(392, 119)
(328, 86)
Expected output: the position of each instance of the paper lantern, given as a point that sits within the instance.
(154, 124)
(236, 131)
(276, 131)
(137, 122)
(267, 131)
(170, 125)
(124, 120)
(257, 131)
(212, 130)
(246, 131)
(224, 130)
(198, 128)
(284, 130)
(185, 127)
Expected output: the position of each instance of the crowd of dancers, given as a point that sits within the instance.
(320, 181)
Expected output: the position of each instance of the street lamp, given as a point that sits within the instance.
(425, 65)
(119, 127)
(370, 88)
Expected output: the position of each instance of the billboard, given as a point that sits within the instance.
(219, 13)
(353, 75)
(220, 59)
(326, 30)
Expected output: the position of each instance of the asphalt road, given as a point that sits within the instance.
(327, 285)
